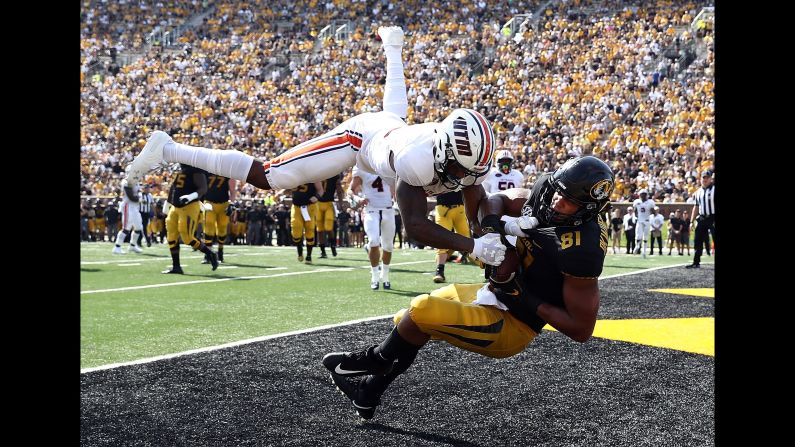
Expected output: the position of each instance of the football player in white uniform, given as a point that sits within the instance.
(418, 160)
(503, 176)
(130, 217)
(643, 207)
(379, 221)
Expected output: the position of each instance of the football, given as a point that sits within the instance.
(509, 266)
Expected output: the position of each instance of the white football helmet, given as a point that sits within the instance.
(466, 138)
(504, 161)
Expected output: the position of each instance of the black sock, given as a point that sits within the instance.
(378, 384)
(394, 346)
(440, 269)
(175, 259)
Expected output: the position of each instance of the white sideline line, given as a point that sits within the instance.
(298, 332)
(129, 264)
(200, 281)
(229, 345)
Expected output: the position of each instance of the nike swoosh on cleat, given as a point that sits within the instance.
(361, 407)
(343, 372)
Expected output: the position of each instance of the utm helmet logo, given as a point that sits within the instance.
(461, 138)
(602, 189)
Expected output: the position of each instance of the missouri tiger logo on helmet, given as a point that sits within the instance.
(587, 181)
(602, 190)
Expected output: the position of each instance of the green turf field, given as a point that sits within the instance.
(128, 310)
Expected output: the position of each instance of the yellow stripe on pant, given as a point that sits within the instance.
(447, 314)
(182, 222)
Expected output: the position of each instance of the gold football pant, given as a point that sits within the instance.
(452, 217)
(447, 314)
(301, 227)
(325, 216)
(182, 222)
(216, 222)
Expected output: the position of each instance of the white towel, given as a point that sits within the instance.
(486, 297)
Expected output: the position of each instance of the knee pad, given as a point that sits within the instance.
(373, 243)
(387, 246)
(418, 305)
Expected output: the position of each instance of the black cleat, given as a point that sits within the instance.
(220, 256)
(387, 285)
(177, 270)
(323, 256)
(374, 285)
(334, 251)
(308, 260)
(693, 266)
(364, 403)
(438, 278)
(351, 364)
(206, 259)
(214, 260)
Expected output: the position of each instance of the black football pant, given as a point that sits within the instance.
(702, 231)
(630, 234)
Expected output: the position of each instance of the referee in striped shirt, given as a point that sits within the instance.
(704, 215)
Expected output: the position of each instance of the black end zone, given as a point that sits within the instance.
(558, 392)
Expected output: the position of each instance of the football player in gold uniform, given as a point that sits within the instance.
(449, 214)
(552, 278)
(216, 220)
(303, 216)
(189, 185)
(326, 214)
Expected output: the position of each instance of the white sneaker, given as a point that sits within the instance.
(391, 35)
(136, 249)
(118, 251)
(148, 158)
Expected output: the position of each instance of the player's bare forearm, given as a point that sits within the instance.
(473, 195)
(413, 207)
(578, 318)
(232, 189)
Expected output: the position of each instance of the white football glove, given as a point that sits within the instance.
(489, 249)
(184, 200)
(519, 226)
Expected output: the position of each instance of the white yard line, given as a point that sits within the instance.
(200, 281)
(302, 331)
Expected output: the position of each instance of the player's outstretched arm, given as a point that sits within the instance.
(413, 206)
(577, 320)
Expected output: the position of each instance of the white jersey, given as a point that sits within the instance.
(412, 156)
(643, 209)
(136, 189)
(496, 181)
(130, 214)
(377, 192)
(657, 222)
(367, 141)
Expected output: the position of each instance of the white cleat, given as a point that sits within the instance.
(391, 35)
(118, 251)
(136, 249)
(150, 157)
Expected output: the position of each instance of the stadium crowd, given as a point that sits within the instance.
(594, 78)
